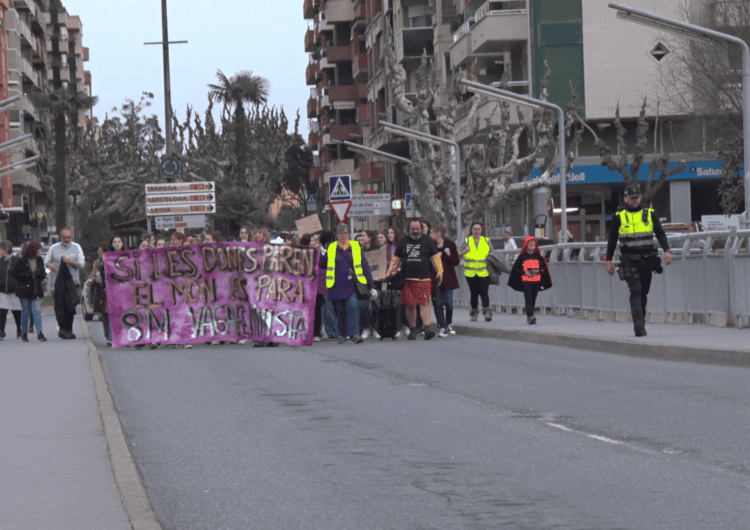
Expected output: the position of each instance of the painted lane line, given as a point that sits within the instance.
(594, 436)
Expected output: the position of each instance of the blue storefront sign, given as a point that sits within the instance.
(597, 174)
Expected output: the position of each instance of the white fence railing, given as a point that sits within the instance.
(707, 283)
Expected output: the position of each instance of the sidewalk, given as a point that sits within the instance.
(674, 342)
(54, 456)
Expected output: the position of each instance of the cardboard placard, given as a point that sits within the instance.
(308, 225)
(378, 260)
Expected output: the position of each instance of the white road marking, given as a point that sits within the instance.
(594, 436)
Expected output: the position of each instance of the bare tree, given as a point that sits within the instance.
(498, 170)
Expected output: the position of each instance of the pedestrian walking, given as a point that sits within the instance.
(345, 265)
(417, 252)
(475, 269)
(99, 290)
(68, 252)
(442, 293)
(529, 275)
(509, 243)
(635, 227)
(8, 299)
(28, 271)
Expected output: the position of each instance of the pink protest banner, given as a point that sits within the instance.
(215, 291)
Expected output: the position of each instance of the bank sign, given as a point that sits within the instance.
(695, 170)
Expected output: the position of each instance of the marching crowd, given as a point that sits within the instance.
(420, 277)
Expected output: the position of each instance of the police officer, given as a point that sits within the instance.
(635, 228)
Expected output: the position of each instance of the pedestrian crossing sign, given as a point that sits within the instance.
(340, 188)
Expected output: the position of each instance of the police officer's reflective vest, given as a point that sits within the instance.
(636, 229)
(475, 261)
(356, 255)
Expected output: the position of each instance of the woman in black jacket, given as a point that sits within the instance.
(530, 275)
(8, 299)
(28, 271)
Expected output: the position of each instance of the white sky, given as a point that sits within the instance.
(266, 37)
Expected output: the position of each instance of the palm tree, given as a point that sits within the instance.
(61, 104)
(241, 88)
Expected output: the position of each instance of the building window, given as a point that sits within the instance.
(659, 52)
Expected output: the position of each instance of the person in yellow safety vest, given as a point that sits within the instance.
(475, 270)
(345, 265)
(635, 228)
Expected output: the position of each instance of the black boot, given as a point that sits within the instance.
(640, 329)
(41, 337)
(25, 337)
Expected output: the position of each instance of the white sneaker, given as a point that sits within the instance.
(365, 333)
(375, 334)
(316, 339)
(242, 341)
(188, 346)
(451, 331)
(442, 333)
(215, 343)
(398, 335)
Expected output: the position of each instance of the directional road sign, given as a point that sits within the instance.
(180, 221)
(371, 204)
(177, 198)
(340, 188)
(180, 209)
(341, 209)
(180, 187)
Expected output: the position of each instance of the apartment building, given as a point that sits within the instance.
(45, 51)
(608, 62)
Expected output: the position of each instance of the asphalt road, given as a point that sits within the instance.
(451, 433)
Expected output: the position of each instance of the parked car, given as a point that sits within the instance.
(675, 230)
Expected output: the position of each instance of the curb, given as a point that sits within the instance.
(129, 482)
(630, 348)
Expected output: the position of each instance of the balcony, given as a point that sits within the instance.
(23, 5)
(498, 22)
(360, 65)
(343, 93)
(313, 140)
(312, 73)
(363, 113)
(341, 166)
(360, 16)
(344, 132)
(411, 43)
(309, 9)
(337, 54)
(316, 175)
(312, 107)
(309, 40)
(372, 171)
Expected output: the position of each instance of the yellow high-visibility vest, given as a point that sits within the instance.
(356, 255)
(636, 229)
(475, 261)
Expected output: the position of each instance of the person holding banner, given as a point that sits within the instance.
(345, 265)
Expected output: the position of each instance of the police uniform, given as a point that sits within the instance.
(635, 230)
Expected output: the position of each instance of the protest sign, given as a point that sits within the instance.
(215, 291)
(378, 260)
(308, 225)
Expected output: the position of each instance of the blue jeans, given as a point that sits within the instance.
(329, 319)
(107, 327)
(348, 315)
(443, 303)
(33, 306)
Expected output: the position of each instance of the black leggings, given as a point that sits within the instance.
(530, 290)
(4, 318)
(479, 286)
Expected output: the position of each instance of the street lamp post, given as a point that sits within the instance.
(424, 137)
(691, 30)
(74, 192)
(506, 95)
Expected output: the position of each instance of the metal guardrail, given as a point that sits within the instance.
(707, 283)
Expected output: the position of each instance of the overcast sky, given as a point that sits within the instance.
(266, 37)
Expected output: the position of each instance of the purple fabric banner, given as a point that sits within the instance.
(214, 291)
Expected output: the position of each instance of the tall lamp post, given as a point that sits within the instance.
(505, 95)
(424, 137)
(74, 192)
(691, 30)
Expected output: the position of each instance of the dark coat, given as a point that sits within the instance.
(515, 281)
(496, 265)
(29, 284)
(450, 280)
(66, 292)
(7, 282)
(99, 290)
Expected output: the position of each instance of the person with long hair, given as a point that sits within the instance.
(530, 274)
(29, 273)
(244, 235)
(116, 244)
(8, 299)
(99, 289)
(442, 294)
(477, 276)
(261, 235)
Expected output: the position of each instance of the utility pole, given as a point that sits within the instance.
(167, 86)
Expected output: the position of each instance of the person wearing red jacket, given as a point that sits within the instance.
(442, 293)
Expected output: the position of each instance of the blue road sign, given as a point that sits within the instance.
(340, 188)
